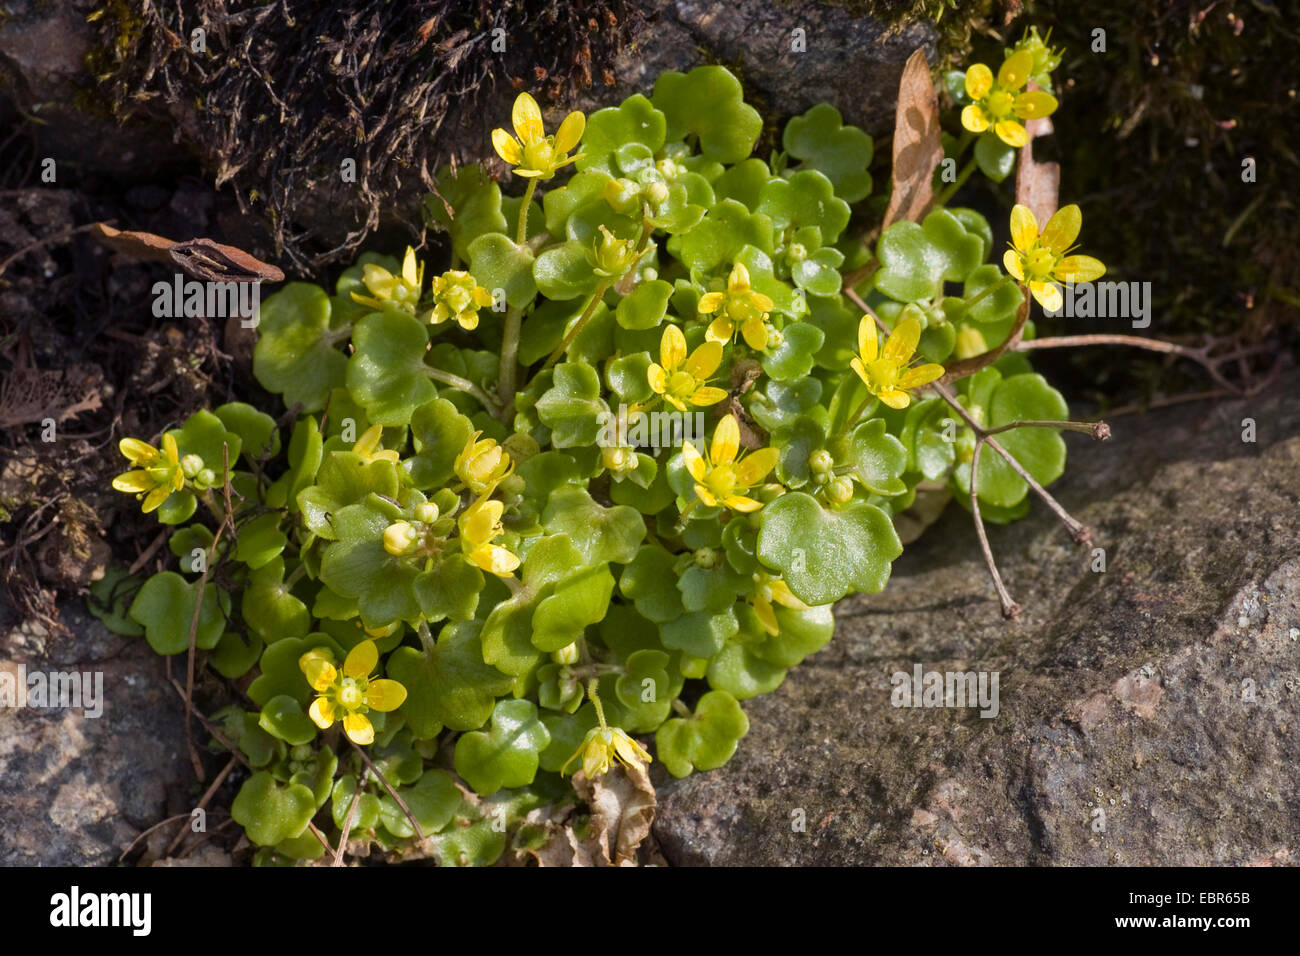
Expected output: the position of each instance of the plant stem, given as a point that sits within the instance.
(579, 325)
(1010, 609)
(965, 174)
(464, 385)
(508, 376)
(522, 233)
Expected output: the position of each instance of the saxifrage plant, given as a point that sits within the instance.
(604, 474)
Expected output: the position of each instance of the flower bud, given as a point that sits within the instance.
(426, 512)
(623, 195)
(657, 194)
(399, 538)
(567, 655)
(705, 558)
(191, 465)
(821, 461)
(840, 491)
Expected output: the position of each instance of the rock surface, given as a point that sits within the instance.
(75, 790)
(1149, 714)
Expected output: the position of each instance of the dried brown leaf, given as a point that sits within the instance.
(622, 804)
(31, 395)
(200, 258)
(917, 150)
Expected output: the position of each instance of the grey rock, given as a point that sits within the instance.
(76, 790)
(1148, 714)
(851, 60)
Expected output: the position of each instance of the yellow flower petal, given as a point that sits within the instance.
(136, 451)
(1062, 229)
(570, 132)
(720, 329)
(1034, 105)
(672, 348)
(740, 503)
(153, 501)
(706, 496)
(322, 713)
(710, 302)
(1011, 261)
(1048, 295)
(319, 670)
(527, 120)
(726, 441)
(855, 363)
(1015, 70)
(704, 361)
(657, 376)
(868, 339)
(1011, 133)
(1079, 269)
(507, 147)
(979, 79)
(738, 280)
(694, 461)
(921, 375)
(974, 119)
(169, 447)
(628, 749)
(494, 559)
(365, 445)
(902, 342)
(782, 595)
(384, 695)
(752, 469)
(361, 660)
(707, 395)
(359, 729)
(895, 398)
(134, 481)
(755, 333)
(766, 615)
(1024, 229)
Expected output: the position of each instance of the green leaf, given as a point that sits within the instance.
(995, 158)
(600, 534)
(283, 718)
(433, 801)
(635, 120)
(843, 153)
(720, 236)
(824, 555)
(878, 458)
(439, 433)
(448, 684)
(566, 271)
(707, 739)
(498, 263)
(744, 183)
(700, 633)
(708, 103)
(271, 812)
(165, 606)
(572, 406)
(806, 198)
(580, 599)
(233, 657)
(506, 755)
(344, 479)
(645, 306)
(386, 373)
(475, 200)
(819, 273)
(269, 607)
(295, 354)
(793, 358)
(650, 581)
(110, 601)
(917, 259)
(261, 540)
(256, 430)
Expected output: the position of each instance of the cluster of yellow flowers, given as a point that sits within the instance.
(1002, 102)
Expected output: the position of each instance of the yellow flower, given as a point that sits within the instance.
(1039, 259)
(769, 588)
(613, 256)
(458, 297)
(401, 292)
(482, 465)
(885, 371)
(602, 746)
(722, 476)
(368, 447)
(740, 308)
(350, 694)
(1001, 104)
(680, 380)
(479, 525)
(534, 154)
(157, 474)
